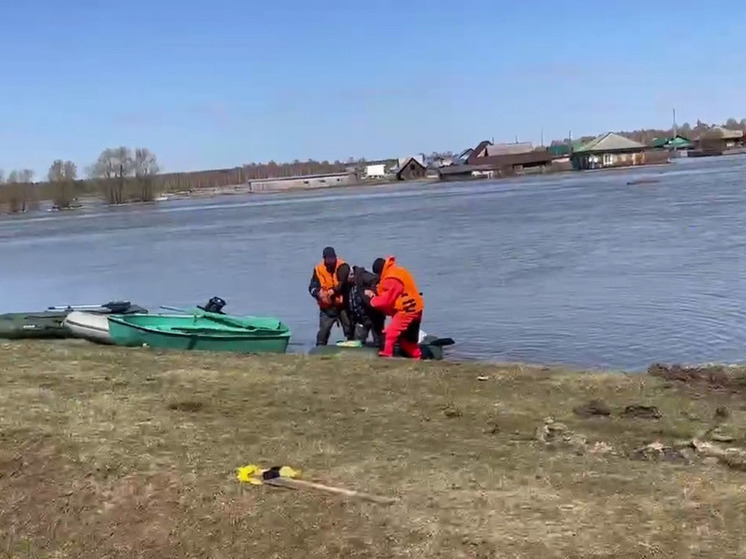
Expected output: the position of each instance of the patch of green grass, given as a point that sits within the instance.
(109, 452)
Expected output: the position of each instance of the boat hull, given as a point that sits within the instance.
(93, 327)
(49, 324)
(38, 325)
(173, 332)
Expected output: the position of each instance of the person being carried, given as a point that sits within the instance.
(326, 289)
(398, 296)
(365, 319)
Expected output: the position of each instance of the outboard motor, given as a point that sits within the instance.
(214, 305)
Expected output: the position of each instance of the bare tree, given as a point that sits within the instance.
(732, 124)
(20, 190)
(146, 168)
(29, 192)
(26, 176)
(112, 168)
(62, 175)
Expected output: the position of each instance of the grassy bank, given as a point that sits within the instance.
(116, 453)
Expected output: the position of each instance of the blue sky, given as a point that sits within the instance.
(225, 82)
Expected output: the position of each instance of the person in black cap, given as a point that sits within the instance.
(378, 266)
(326, 289)
(365, 319)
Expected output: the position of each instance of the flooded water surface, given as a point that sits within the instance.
(579, 269)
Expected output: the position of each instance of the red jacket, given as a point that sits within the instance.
(391, 289)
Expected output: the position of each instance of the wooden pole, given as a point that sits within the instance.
(303, 484)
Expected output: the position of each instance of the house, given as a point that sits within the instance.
(439, 161)
(488, 149)
(674, 143)
(560, 151)
(561, 156)
(488, 160)
(509, 159)
(719, 141)
(302, 182)
(465, 172)
(410, 168)
(463, 157)
(375, 171)
(613, 150)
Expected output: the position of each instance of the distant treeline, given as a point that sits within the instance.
(647, 135)
(174, 182)
(119, 174)
(122, 175)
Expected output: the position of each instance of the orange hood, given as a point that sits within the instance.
(390, 263)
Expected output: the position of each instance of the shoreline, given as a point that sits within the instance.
(135, 451)
(86, 202)
(244, 190)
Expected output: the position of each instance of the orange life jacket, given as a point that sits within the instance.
(329, 281)
(410, 301)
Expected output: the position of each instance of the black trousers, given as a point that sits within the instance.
(371, 324)
(327, 319)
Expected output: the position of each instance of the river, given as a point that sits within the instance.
(576, 269)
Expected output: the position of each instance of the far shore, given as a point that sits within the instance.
(245, 189)
(216, 192)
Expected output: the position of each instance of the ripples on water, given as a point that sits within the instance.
(575, 269)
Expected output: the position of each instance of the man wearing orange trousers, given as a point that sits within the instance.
(398, 296)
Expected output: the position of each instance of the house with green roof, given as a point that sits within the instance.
(560, 150)
(612, 150)
(674, 143)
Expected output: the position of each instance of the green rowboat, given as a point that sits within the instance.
(203, 331)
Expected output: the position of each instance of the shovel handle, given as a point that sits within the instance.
(301, 484)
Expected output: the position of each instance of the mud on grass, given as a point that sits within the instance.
(132, 453)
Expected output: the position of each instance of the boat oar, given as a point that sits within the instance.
(175, 309)
(113, 307)
(228, 321)
(222, 318)
(74, 307)
(212, 331)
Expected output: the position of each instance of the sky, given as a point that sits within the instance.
(223, 83)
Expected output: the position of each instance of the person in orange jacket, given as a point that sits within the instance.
(325, 287)
(398, 297)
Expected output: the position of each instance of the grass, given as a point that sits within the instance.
(132, 453)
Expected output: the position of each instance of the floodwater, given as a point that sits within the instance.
(576, 269)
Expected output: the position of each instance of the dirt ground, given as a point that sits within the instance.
(110, 452)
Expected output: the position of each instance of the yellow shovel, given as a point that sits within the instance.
(285, 476)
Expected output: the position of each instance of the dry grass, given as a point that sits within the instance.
(132, 453)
